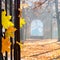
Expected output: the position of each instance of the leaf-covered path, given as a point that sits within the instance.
(41, 50)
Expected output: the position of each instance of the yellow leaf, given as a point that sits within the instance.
(5, 45)
(6, 20)
(10, 32)
(22, 22)
(19, 43)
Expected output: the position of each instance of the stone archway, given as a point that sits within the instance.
(36, 29)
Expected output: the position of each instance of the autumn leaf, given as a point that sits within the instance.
(5, 45)
(20, 15)
(10, 32)
(24, 5)
(6, 20)
(22, 22)
(19, 43)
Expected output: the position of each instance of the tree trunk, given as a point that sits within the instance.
(57, 16)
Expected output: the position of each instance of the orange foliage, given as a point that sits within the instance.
(10, 32)
(5, 45)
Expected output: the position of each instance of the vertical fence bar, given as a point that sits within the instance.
(1, 56)
(11, 1)
(17, 33)
(6, 5)
(6, 54)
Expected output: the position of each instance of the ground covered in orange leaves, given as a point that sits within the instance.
(40, 51)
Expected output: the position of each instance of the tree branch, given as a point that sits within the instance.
(38, 4)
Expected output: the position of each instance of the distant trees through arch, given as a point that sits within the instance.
(37, 28)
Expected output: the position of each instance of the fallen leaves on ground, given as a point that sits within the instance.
(36, 51)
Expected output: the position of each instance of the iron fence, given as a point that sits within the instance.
(11, 7)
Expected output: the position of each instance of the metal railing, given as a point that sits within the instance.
(13, 11)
